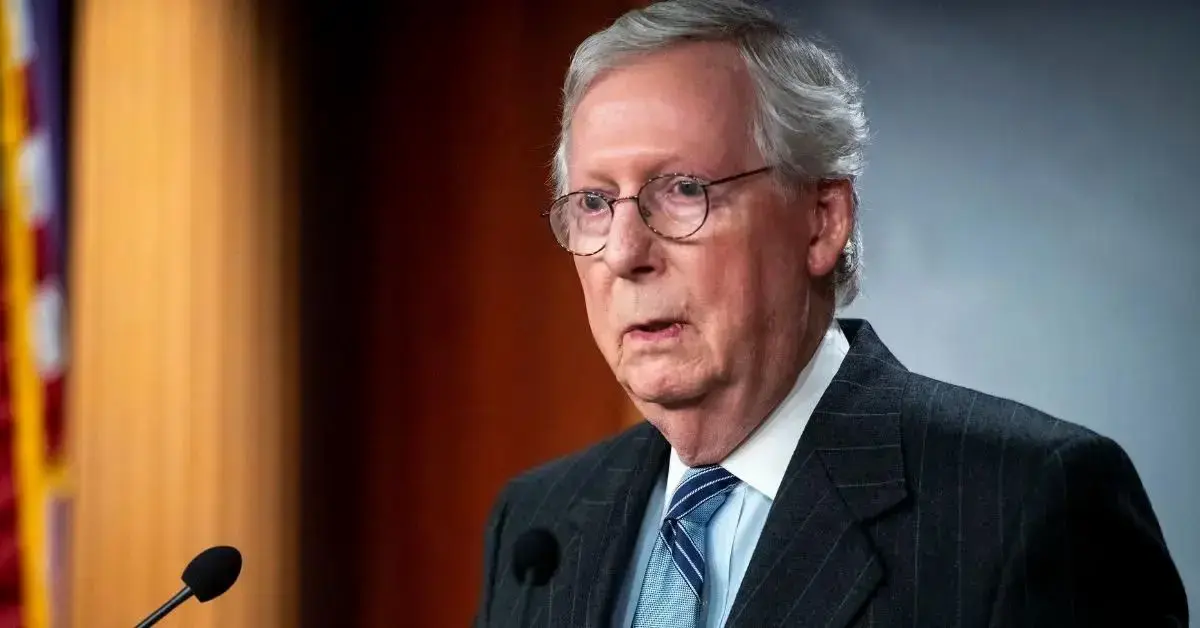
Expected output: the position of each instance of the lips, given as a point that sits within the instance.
(653, 326)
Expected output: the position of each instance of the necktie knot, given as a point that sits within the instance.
(700, 494)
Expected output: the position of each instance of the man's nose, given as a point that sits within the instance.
(630, 250)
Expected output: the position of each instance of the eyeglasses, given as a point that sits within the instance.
(674, 206)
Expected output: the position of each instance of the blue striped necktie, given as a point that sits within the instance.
(673, 586)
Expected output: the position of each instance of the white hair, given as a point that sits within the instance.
(810, 122)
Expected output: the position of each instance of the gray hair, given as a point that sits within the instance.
(810, 122)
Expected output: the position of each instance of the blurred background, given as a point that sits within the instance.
(274, 275)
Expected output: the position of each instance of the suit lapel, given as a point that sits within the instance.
(814, 565)
(600, 529)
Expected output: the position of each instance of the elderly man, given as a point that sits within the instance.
(790, 472)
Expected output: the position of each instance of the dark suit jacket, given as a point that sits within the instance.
(908, 502)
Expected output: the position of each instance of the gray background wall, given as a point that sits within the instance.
(1032, 192)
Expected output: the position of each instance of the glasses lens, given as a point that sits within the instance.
(580, 222)
(674, 206)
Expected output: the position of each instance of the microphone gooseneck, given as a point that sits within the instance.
(535, 559)
(184, 595)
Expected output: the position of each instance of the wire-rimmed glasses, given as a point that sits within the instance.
(672, 205)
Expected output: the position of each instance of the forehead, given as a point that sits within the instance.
(687, 106)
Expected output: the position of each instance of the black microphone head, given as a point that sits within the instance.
(213, 571)
(535, 557)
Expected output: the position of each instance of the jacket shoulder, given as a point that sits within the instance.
(981, 422)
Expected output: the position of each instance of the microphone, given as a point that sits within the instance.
(535, 558)
(210, 574)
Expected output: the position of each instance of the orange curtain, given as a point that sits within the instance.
(447, 340)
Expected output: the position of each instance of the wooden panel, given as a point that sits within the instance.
(182, 393)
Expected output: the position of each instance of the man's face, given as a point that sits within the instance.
(714, 321)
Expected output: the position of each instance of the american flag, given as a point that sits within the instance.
(34, 497)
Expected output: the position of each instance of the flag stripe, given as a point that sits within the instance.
(33, 300)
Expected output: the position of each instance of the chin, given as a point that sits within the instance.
(668, 397)
(665, 388)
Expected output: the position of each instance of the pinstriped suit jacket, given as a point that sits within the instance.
(908, 502)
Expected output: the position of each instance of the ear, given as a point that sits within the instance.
(832, 221)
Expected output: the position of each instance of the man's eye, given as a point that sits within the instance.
(593, 202)
(688, 188)
(586, 204)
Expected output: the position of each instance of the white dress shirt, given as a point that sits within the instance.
(759, 463)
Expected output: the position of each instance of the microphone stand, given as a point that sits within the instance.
(527, 588)
(184, 595)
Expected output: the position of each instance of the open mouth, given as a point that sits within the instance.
(655, 329)
(654, 326)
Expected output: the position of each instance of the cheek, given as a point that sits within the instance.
(779, 244)
(721, 290)
(596, 296)
(744, 282)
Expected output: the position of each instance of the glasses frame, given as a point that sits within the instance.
(611, 205)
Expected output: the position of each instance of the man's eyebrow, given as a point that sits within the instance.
(603, 182)
(604, 188)
(595, 180)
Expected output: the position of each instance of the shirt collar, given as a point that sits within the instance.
(762, 459)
